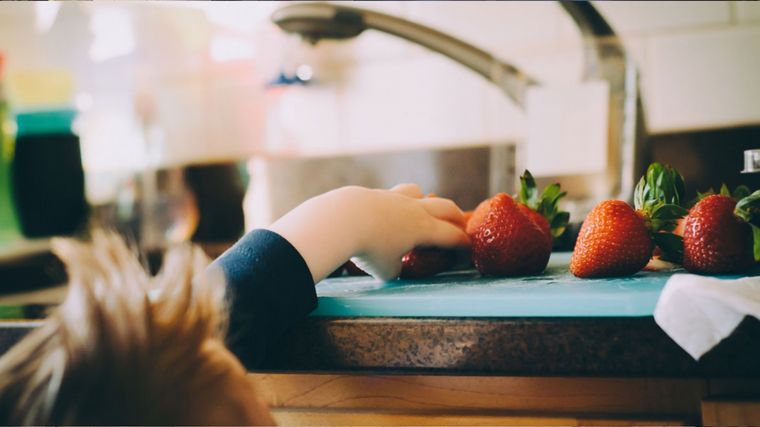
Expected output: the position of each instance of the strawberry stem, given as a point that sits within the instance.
(671, 246)
(658, 196)
(748, 209)
(546, 203)
(739, 193)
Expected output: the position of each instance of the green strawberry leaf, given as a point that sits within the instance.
(638, 193)
(665, 217)
(658, 195)
(546, 203)
(559, 223)
(741, 192)
(756, 242)
(552, 193)
(669, 212)
(671, 246)
(748, 209)
(724, 191)
(679, 187)
(710, 191)
(528, 193)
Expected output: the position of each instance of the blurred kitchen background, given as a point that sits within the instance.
(199, 120)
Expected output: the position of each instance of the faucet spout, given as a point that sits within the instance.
(316, 21)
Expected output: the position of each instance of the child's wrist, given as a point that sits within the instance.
(352, 212)
(328, 229)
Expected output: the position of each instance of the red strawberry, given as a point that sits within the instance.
(425, 262)
(543, 208)
(715, 239)
(477, 217)
(539, 219)
(508, 242)
(616, 240)
(613, 241)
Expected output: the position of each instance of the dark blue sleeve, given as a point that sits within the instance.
(269, 288)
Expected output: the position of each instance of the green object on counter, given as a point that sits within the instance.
(9, 228)
(556, 293)
(11, 312)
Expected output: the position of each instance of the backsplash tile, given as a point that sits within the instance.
(425, 101)
(638, 17)
(704, 80)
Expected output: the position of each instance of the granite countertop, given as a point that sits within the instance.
(460, 323)
(599, 346)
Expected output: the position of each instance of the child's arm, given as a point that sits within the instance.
(271, 273)
(376, 226)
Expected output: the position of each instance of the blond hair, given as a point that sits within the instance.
(124, 347)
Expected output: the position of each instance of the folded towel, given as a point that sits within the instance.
(697, 312)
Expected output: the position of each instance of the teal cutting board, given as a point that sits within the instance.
(556, 293)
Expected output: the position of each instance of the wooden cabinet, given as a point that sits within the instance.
(300, 399)
(731, 411)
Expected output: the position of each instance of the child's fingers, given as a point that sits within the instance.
(444, 234)
(409, 190)
(444, 209)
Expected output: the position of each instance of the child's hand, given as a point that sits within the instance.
(377, 227)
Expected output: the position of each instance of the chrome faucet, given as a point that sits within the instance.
(317, 21)
(603, 60)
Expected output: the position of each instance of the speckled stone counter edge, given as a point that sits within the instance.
(604, 347)
(510, 346)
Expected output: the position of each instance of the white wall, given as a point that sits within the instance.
(699, 63)
(700, 60)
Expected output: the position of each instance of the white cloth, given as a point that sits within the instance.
(697, 312)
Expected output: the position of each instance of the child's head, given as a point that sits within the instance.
(125, 348)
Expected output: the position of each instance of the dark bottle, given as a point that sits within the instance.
(48, 177)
